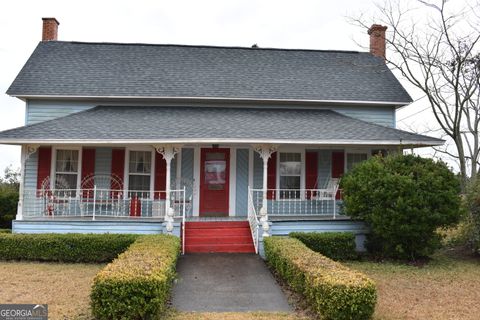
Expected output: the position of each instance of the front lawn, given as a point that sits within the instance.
(448, 287)
(64, 287)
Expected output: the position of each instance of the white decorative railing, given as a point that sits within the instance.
(253, 220)
(95, 203)
(295, 202)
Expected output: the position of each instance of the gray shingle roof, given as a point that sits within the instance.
(106, 69)
(114, 124)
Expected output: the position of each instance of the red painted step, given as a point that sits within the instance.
(224, 236)
(219, 248)
(217, 232)
(220, 240)
(216, 225)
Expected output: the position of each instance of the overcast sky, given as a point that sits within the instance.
(310, 24)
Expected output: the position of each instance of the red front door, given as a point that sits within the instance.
(214, 182)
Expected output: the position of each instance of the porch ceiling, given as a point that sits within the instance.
(153, 125)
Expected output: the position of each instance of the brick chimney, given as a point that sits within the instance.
(377, 40)
(50, 29)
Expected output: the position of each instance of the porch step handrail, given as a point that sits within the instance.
(183, 221)
(253, 220)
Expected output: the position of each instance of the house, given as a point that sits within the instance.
(219, 145)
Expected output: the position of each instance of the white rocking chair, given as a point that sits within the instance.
(329, 193)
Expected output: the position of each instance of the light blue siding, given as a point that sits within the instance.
(384, 116)
(241, 195)
(283, 228)
(324, 167)
(42, 110)
(187, 176)
(257, 171)
(31, 167)
(103, 165)
(136, 227)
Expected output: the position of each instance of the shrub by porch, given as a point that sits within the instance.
(90, 248)
(404, 199)
(137, 284)
(334, 245)
(333, 290)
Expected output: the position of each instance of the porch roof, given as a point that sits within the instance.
(153, 125)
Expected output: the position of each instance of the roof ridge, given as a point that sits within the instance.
(205, 46)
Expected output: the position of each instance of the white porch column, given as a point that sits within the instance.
(265, 151)
(168, 152)
(26, 152)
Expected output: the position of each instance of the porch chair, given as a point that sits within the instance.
(329, 193)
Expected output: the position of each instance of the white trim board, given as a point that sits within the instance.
(196, 181)
(240, 99)
(232, 190)
(402, 143)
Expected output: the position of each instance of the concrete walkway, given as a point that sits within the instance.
(226, 282)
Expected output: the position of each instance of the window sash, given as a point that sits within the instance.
(355, 158)
(139, 170)
(66, 171)
(290, 170)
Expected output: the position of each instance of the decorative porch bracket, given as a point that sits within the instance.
(168, 151)
(265, 151)
(27, 151)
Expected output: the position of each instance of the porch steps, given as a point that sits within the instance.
(226, 237)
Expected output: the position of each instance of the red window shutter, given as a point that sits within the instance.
(311, 171)
(44, 165)
(118, 166)
(160, 176)
(272, 175)
(88, 169)
(88, 162)
(338, 166)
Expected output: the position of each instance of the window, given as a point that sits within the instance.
(139, 170)
(355, 158)
(290, 170)
(66, 169)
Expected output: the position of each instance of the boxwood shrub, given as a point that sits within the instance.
(64, 247)
(333, 290)
(334, 245)
(137, 284)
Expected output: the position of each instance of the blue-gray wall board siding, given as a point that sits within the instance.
(42, 110)
(283, 228)
(257, 171)
(384, 116)
(241, 194)
(103, 166)
(29, 226)
(31, 167)
(187, 176)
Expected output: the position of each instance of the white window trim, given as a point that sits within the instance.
(53, 165)
(126, 173)
(302, 172)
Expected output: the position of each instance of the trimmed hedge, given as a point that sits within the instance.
(333, 290)
(64, 247)
(137, 284)
(334, 245)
